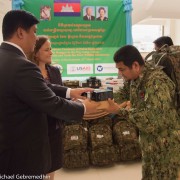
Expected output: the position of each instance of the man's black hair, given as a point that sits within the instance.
(15, 19)
(128, 54)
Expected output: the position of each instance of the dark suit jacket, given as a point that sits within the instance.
(55, 126)
(86, 18)
(54, 74)
(25, 100)
(56, 81)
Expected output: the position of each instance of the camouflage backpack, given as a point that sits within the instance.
(129, 151)
(75, 142)
(75, 137)
(124, 132)
(169, 58)
(76, 158)
(102, 151)
(126, 138)
(100, 135)
(104, 156)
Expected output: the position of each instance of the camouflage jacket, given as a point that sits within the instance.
(121, 96)
(152, 98)
(123, 93)
(154, 113)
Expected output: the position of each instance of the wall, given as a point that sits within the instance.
(153, 12)
(171, 27)
(5, 5)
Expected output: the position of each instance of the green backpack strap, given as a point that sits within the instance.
(160, 59)
(164, 50)
(149, 55)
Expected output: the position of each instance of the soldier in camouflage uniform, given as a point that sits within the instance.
(153, 111)
(123, 93)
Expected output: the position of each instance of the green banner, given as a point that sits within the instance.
(82, 47)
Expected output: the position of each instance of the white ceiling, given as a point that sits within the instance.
(146, 9)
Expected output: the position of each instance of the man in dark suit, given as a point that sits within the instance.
(26, 100)
(88, 16)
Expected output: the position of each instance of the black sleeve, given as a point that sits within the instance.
(30, 87)
(58, 89)
(54, 75)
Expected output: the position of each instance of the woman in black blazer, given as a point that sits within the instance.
(42, 57)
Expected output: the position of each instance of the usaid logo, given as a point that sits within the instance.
(83, 68)
(99, 68)
(79, 68)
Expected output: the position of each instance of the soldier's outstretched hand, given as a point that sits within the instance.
(114, 107)
(128, 106)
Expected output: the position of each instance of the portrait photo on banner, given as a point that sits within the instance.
(101, 13)
(89, 13)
